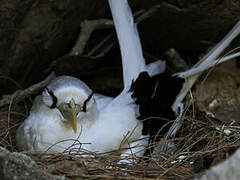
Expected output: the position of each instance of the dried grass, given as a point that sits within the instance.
(200, 137)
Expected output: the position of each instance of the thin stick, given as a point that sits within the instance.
(87, 27)
(20, 95)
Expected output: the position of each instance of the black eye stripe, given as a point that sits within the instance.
(85, 102)
(54, 99)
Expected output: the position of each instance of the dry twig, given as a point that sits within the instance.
(87, 27)
(140, 16)
(19, 95)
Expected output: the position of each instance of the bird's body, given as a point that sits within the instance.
(102, 128)
(68, 116)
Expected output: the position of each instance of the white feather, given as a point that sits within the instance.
(132, 58)
(207, 61)
(108, 121)
(43, 128)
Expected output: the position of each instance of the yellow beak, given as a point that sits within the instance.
(74, 116)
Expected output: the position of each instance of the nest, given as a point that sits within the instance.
(201, 143)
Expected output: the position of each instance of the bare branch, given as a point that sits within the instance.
(20, 95)
(139, 17)
(87, 27)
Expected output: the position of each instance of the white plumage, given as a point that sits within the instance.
(101, 128)
(131, 50)
(68, 116)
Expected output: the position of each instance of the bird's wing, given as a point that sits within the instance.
(156, 68)
(22, 137)
(133, 61)
(25, 133)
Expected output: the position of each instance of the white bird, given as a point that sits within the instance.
(68, 111)
(68, 116)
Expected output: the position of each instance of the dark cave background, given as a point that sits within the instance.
(36, 35)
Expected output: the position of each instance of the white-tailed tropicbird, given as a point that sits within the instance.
(68, 115)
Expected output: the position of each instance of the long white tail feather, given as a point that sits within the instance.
(218, 49)
(208, 59)
(212, 55)
(208, 65)
(133, 61)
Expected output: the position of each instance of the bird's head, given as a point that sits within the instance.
(72, 98)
